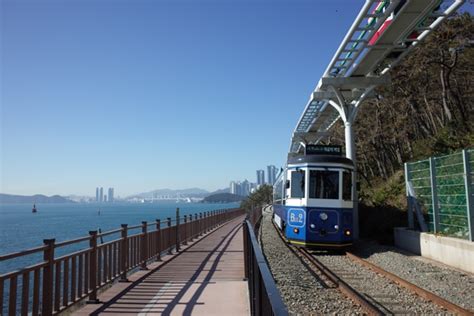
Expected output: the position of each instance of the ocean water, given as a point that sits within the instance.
(20, 229)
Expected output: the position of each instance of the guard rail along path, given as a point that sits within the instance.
(56, 283)
(265, 298)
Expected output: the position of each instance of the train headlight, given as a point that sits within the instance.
(347, 232)
(336, 227)
(296, 230)
(323, 216)
(312, 226)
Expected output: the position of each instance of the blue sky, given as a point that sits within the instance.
(141, 95)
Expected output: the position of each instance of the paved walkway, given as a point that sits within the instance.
(205, 278)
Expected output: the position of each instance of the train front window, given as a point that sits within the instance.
(297, 184)
(323, 184)
(347, 186)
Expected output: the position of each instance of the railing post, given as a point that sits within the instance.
(196, 226)
(124, 254)
(185, 242)
(158, 240)
(144, 247)
(191, 227)
(246, 250)
(200, 225)
(210, 219)
(169, 236)
(93, 268)
(177, 229)
(469, 199)
(411, 224)
(48, 256)
(434, 196)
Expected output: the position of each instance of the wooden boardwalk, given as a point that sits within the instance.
(205, 278)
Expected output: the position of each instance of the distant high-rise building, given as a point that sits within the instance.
(245, 188)
(238, 188)
(260, 177)
(101, 194)
(111, 195)
(272, 173)
(105, 198)
(97, 194)
(233, 187)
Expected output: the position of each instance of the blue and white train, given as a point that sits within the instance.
(312, 199)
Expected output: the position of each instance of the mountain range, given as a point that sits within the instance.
(37, 198)
(191, 193)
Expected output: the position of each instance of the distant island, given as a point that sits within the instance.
(223, 198)
(31, 199)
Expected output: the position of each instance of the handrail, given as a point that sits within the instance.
(265, 298)
(59, 282)
(21, 253)
(72, 241)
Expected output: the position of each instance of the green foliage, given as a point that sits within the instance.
(222, 198)
(262, 196)
(385, 193)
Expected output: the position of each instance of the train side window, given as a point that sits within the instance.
(323, 184)
(297, 184)
(347, 186)
(278, 191)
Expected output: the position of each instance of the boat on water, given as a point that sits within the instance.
(33, 210)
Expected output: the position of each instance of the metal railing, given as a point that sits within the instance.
(265, 298)
(443, 187)
(54, 284)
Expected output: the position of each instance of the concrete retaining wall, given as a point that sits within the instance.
(454, 252)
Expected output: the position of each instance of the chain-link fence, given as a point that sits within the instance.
(443, 187)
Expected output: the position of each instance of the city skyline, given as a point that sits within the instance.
(100, 197)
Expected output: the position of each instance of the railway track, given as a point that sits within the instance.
(360, 289)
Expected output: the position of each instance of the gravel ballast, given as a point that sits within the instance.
(452, 285)
(383, 293)
(300, 290)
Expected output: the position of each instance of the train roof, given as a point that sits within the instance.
(320, 159)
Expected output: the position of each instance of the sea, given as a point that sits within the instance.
(20, 229)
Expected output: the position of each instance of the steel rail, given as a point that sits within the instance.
(411, 287)
(342, 286)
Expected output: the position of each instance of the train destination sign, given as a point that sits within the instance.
(334, 150)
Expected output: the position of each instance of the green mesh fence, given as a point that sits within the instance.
(450, 192)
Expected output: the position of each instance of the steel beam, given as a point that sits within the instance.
(353, 82)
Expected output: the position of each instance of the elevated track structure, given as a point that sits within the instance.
(383, 33)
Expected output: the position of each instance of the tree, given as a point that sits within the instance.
(262, 196)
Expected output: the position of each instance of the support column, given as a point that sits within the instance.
(351, 154)
(411, 222)
(469, 199)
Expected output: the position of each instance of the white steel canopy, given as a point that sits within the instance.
(381, 35)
